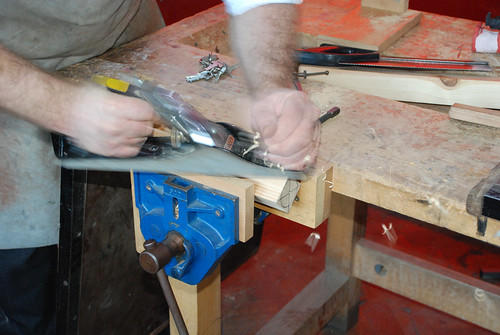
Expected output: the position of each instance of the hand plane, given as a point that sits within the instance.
(196, 145)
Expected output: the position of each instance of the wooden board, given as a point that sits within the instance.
(476, 115)
(349, 24)
(449, 291)
(396, 6)
(414, 86)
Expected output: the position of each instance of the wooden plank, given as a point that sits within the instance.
(476, 115)
(311, 309)
(313, 205)
(396, 6)
(357, 27)
(414, 87)
(449, 291)
(200, 305)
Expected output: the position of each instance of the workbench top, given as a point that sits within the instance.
(397, 156)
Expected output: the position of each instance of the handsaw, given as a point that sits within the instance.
(196, 145)
(334, 55)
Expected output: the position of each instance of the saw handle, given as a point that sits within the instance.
(335, 55)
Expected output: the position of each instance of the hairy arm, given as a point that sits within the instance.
(99, 121)
(264, 40)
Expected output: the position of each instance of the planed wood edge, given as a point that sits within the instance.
(410, 87)
(313, 206)
(395, 6)
(447, 290)
(486, 117)
(277, 193)
(312, 308)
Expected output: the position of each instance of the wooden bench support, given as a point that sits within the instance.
(200, 305)
(308, 311)
(447, 290)
(346, 226)
(334, 292)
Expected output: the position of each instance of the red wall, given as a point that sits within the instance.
(175, 10)
(467, 9)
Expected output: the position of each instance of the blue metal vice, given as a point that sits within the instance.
(206, 219)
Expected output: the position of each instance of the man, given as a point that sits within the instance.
(54, 34)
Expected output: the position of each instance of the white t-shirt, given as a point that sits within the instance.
(238, 7)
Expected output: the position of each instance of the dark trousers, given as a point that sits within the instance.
(28, 291)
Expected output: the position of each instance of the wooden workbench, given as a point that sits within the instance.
(404, 158)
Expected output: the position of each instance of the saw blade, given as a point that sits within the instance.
(423, 64)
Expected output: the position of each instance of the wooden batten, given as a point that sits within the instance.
(414, 87)
(486, 117)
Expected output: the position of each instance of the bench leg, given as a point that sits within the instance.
(346, 226)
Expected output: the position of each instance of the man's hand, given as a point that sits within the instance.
(287, 121)
(99, 121)
(110, 124)
(289, 128)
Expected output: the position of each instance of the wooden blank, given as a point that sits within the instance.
(396, 6)
(313, 206)
(476, 115)
(277, 193)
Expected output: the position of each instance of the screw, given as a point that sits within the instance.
(305, 74)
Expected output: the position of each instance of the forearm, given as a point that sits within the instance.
(32, 94)
(99, 121)
(264, 40)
